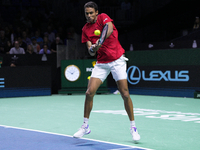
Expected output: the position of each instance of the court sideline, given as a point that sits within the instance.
(163, 122)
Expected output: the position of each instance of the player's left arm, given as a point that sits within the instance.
(109, 32)
(110, 29)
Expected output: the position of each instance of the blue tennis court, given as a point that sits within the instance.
(13, 138)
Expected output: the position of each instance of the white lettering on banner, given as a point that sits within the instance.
(89, 69)
(157, 114)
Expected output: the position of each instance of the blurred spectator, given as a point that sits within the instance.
(46, 41)
(17, 49)
(125, 5)
(12, 35)
(71, 34)
(18, 32)
(30, 49)
(45, 50)
(54, 45)
(25, 39)
(7, 33)
(27, 22)
(49, 14)
(196, 23)
(14, 61)
(61, 33)
(50, 34)
(38, 38)
(36, 46)
(12, 64)
(21, 43)
(8, 47)
(3, 42)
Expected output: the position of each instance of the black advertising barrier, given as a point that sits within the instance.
(163, 72)
(36, 60)
(164, 76)
(28, 60)
(26, 76)
(25, 81)
(164, 68)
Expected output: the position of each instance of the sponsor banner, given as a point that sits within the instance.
(163, 76)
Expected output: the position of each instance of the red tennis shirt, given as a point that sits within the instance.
(111, 49)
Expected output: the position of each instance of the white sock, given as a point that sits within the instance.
(132, 123)
(85, 122)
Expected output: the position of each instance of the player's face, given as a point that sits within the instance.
(91, 14)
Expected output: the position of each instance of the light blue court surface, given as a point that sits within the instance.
(12, 138)
(49, 122)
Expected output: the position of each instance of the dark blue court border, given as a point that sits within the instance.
(21, 139)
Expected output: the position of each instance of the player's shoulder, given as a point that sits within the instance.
(103, 14)
(85, 26)
(104, 17)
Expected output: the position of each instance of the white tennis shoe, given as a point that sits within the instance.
(135, 134)
(82, 131)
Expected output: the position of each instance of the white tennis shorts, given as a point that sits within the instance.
(117, 68)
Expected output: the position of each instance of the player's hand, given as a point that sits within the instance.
(93, 48)
(97, 44)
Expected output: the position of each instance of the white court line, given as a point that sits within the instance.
(72, 137)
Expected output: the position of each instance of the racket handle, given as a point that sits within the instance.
(91, 50)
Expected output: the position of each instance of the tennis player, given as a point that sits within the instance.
(109, 59)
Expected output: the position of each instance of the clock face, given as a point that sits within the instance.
(72, 73)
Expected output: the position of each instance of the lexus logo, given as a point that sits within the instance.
(134, 75)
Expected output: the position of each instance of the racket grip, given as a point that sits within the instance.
(91, 50)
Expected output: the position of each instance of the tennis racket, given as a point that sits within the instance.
(102, 37)
(103, 34)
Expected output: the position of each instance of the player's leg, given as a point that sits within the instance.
(123, 88)
(118, 71)
(99, 74)
(93, 85)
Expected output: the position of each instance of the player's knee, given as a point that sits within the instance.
(125, 95)
(89, 93)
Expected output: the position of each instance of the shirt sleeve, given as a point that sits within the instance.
(41, 51)
(84, 37)
(11, 51)
(105, 18)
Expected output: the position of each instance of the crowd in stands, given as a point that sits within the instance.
(31, 30)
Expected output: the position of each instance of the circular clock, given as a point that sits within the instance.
(72, 73)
